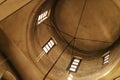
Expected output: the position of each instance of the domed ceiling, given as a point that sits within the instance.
(91, 27)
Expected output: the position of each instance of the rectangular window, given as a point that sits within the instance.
(49, 45)
(43, 16)
(45, 49)
(74, 64)
(106, 59)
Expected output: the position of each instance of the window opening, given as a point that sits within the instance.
(49, 45)
(74, 64)
(106, 59)
(43, 16)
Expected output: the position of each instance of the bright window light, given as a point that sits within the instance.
(105, 62)
(70, 77)
(48, 48)
(75, 62)
(49, 45)
(52, 42)
(45, 49)
(107, 56)
(73, 66)
(72, 69)
(106, 59)
(43, 16)
(40, 17)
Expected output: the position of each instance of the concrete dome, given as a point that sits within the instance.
(92, 27)
(83, 30)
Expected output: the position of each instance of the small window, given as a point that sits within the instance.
(106, 59)
(43, 16)
(75, 62)
(49, 45)
(45, 49)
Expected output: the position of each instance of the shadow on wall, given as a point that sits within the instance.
(4, 48)
(4, 41)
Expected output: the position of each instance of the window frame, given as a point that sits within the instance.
(76, 65)
(43, 17)
(47, 45)
(106, 59)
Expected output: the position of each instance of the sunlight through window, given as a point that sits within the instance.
(75, 62)
(43, 16)
(70, 77)
(49, 45)
(106, 59)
